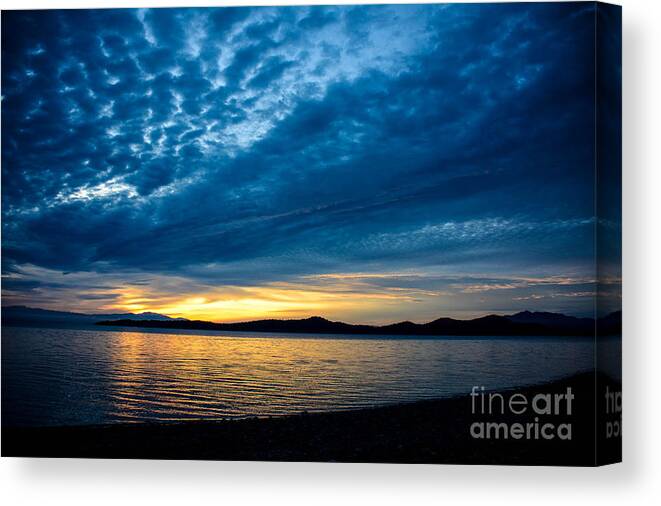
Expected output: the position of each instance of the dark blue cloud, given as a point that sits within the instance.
(308, 139)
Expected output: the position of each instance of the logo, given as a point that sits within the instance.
(521, 416)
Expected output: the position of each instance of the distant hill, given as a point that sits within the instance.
(24, 315)
(520, 324)
(553, 320)
(610, 324)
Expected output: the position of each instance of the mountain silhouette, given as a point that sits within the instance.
(26, 315)
(525, 323)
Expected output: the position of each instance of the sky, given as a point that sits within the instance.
(363, 163)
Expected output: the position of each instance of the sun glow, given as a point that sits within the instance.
(278, 300)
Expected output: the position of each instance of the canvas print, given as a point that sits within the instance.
(357, 233)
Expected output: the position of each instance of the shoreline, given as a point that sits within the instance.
(427, 431)
(305, 335)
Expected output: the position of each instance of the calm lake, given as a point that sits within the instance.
(66, 376)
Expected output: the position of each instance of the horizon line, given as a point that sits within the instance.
(312, 316)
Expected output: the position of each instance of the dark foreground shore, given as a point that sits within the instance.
(436, 431)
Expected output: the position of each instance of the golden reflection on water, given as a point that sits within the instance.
(68, 376)
(171, 374)
(175, 376)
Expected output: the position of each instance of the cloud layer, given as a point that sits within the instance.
(220, 150)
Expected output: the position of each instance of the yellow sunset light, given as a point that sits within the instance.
(339, 296)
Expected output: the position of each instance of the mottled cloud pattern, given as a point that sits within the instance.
(369, 163)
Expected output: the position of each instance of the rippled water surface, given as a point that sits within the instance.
(63, 376)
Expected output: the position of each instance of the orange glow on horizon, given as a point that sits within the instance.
(374, 297)
(278, 300)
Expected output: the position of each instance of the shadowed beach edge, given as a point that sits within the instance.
(431, 431)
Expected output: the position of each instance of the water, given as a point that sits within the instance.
(66, 376)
